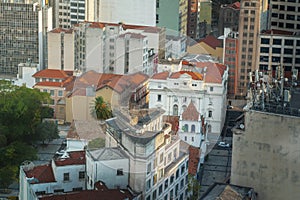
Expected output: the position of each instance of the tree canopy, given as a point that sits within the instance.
(21, 114)
(101, 109)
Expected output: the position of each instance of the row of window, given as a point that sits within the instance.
(52, 92)
(81, 176)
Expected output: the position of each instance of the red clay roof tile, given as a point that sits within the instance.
(52, 73)
(212, 41)
(75, 158)
(191, 113)
(41, 174)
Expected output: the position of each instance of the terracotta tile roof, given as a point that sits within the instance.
(211, 41)
(67, 83)
(191, 113)
(194, 159)
(40, 174)
(52, 73)
(91, 195)
(214, 71)
(194, 75)
(60, 30)
(75, 158)
(236, 5)
(118, 83)
(48, 84)
(161, 76)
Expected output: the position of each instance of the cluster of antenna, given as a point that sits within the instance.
(269, 93)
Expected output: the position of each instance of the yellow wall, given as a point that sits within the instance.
(79, 108)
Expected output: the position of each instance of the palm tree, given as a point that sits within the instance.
(102, 109)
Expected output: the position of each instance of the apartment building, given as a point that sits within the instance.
(175, 46)
(158, 163)
(173, 15)
(127, 11)
(204, 84)
(61, 49)
(19, 36)
(131, 54)
(249, 28)
(228, 16)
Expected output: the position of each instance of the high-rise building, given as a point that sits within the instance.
(173, 15)
(228, 17)
(61, 49)
(193, 19)
(266, 148)
(249, 28)
(231, 60)
(139, 12)
(19, 36)
(279, 48)
(285, 15)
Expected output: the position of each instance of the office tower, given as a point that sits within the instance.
(172, 14)
(249, 28)
(285, 15)
(138, 12)
(19, 36)
(77, 11)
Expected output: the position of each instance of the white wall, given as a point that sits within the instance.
(138, 12)
(74, 181)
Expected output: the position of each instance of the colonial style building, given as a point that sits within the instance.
(203, 84)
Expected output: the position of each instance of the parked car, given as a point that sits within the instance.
(223, 144)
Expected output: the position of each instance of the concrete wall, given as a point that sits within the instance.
(266, 155)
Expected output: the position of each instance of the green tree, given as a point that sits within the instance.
(193, 187)
(20, 115)
(47, 130)
(101, 109)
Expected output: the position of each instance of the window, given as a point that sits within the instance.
(77, 189)
(52, 92)
(166, 183)
(60, 93)
(160, 189)
(149, 168)
(81, 175)
(161, 158)
(210, 113)
(66, 176)
(154, 179)
(172, 179)
(159, 97)
(185, 138)
(120, 172)
(175, 110)
(193, 128)
(177, 173)
(192, 139)
(211, 89)
(186, 128)
(148, 184)
(154, 194)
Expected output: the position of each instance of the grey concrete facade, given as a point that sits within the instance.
(266, 155)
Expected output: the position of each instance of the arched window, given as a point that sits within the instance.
(175, 110)
(184, 108)
(193, 128)
(185, 128)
